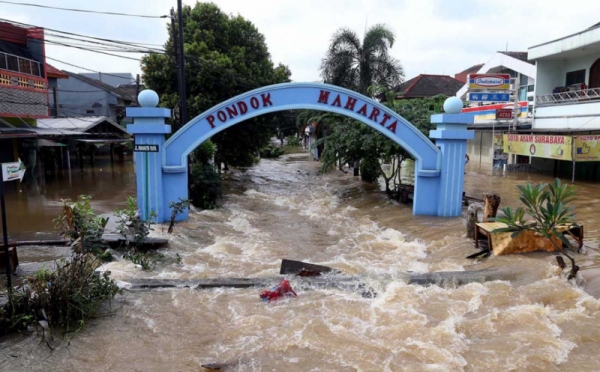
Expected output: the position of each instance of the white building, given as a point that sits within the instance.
(567, 87)
(567, 96)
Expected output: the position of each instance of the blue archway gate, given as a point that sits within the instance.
(161, 167)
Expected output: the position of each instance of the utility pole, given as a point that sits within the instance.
(55, 101)
(174, 37)
(183, 95)
(137, 88)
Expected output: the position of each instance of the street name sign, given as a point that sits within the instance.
(145, 148)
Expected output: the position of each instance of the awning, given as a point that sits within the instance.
(107, 140)
(48, 143)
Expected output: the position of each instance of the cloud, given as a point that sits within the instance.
(433, 36)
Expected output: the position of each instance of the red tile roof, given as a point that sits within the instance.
(53, 72)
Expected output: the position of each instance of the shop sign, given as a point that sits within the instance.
(587, 148)
(489, 97)
(539, 146)
(489, 81)
(505, 114)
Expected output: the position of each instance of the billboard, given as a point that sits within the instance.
(587, 148)
(489, 82)
(539, 146)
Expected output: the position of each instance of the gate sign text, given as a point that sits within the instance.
(489, 81)
(145, 148)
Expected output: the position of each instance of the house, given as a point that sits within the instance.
(83, 96)
(463, 75)
(426, 85)
(23, 80)
(114, 79)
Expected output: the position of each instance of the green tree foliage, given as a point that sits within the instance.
(357, 64)
(545, 209)
(349, 139)
(205, 182)
(225, 56)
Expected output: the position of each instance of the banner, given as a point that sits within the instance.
(498, 140)
(539, 146)
(587, 148)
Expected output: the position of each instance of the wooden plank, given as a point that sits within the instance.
(118, 239)
(302, 268)
(342, 282)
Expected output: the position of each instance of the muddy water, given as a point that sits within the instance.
(284, 209)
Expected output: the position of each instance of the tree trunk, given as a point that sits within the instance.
(472, 213)
(356, 167)
(491, 204)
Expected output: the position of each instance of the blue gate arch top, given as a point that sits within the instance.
(162, 175)
(293, 96)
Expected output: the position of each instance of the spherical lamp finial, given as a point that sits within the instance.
(148, 98)
(453, 105)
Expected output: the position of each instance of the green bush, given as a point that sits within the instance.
(203, 153)
(293, 141)
(271, 152)
(205, 186)
(78, 221)
(64, 299)
(369, 170)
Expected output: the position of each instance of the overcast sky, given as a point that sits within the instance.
(432, 36)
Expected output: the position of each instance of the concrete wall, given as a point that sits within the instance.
(76, 97)
(576, 116)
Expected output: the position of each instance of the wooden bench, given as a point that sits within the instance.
(526, 241)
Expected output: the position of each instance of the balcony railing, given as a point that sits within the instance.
(21, 65)
(573, 96)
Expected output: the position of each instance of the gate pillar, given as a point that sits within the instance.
(149, 131)
(451, 137)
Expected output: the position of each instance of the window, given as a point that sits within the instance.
(89, 111)
(530, 98)
(530, 88)
(12, 63)
(575, 77)
(24, 66)
(35, 69)
(3, 61)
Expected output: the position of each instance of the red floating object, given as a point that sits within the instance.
(282, 289)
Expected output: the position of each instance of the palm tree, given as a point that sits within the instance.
(357, 65)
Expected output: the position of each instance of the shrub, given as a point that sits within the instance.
(293, 141)
(78, 221)
(369, 170)
(205, 186)
(271, 152)
(548, 206)
(64, 299)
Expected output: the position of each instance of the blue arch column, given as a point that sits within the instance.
(451, 137)
(149, 131)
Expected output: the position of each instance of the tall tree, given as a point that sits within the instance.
(225, 56)
(356, 64)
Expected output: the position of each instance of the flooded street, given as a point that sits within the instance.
(284, 209)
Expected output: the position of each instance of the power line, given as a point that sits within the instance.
(85, 10)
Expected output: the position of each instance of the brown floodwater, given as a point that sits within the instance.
(284, 209)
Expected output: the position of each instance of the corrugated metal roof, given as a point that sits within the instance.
(79, 124)
(55, 132)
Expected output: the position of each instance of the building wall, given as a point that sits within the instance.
(76, 98)
(479, 148)
(576, 116)
(550, 74)
(23, 103)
